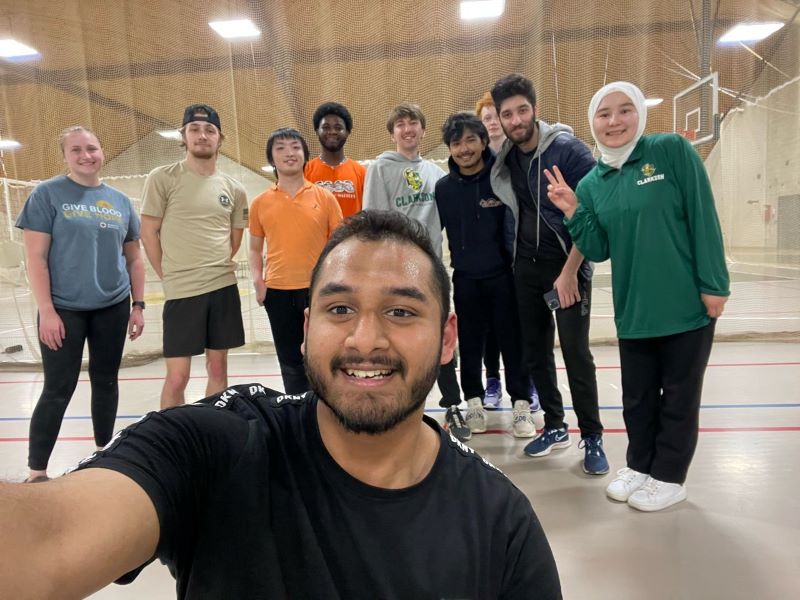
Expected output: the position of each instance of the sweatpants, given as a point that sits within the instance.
(104, 329)
(491, 355)
(447, 381)
(662, 382)
(285, 313)
(533, 278)
(481, 305)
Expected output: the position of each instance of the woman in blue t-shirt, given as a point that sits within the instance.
(84, 265)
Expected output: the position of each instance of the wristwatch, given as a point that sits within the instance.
(139, 303)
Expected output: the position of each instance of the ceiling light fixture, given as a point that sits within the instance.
(653, 101)
(749, 32)
(9, 145)
(481, 9)
(170, 134)
(235, 29)
(12, 49)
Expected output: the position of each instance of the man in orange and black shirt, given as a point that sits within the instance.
(332, 169)
(295, 218)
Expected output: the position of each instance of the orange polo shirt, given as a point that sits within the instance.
(295, 230)
(346, 181)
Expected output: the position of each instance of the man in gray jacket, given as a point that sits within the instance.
(402, 180)
(545, 261)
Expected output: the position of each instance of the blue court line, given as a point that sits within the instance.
(441, 410)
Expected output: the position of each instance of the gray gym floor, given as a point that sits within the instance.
(735, 537)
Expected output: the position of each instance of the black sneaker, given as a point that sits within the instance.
(455, 423)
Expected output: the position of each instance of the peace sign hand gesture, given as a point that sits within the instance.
(560, 193)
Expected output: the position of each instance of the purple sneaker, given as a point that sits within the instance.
(494, 394)
(536, 408)
(534, 395)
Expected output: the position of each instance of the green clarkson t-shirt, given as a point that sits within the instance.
(655, 219)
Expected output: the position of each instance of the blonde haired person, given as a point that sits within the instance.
(648, 206)
(82, 247)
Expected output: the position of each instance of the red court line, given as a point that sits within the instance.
(258, 376)
(502, 432)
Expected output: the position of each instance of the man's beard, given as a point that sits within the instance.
(529, 131)
(203, 153)
(371, 414)
(332, 146)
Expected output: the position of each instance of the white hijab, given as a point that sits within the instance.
(616, 157)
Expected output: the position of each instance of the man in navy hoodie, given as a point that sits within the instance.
(480, 235)
(545, 260)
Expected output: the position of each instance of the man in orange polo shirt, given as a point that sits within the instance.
(295, 218)
(332, 169)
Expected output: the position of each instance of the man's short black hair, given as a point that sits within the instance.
(513, 85)
(388, 225)
(286, 133)
(333, 108)
(456, 125)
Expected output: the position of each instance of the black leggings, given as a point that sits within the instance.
(105, 330)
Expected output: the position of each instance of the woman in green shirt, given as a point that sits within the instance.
(648, 206)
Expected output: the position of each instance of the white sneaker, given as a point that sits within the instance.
(657, 495)
(476, 416)
(538, 418)
(625, 483)
(524, 426)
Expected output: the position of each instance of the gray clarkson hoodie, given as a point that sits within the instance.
(396, 183)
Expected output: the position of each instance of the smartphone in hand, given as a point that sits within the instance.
(551, 299)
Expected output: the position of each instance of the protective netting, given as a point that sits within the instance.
(127, 70)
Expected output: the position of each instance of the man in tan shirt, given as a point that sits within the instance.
(193, 218)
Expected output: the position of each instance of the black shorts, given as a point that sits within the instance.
(212, 320)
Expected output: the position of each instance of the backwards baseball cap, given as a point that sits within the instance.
(201, 112)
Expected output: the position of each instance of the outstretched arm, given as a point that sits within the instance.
(72, 536)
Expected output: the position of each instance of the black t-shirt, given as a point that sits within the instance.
(251, 505)
(548, 246)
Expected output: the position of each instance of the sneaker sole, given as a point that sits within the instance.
(525, 436)
(460, 438)
(588, 472)
(623, 497)
(551, 447)
(478, 430)
(617, 497)
(656, 507)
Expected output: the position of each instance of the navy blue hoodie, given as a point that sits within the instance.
(480, 228)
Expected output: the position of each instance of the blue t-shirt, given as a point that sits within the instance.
(88, 226)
